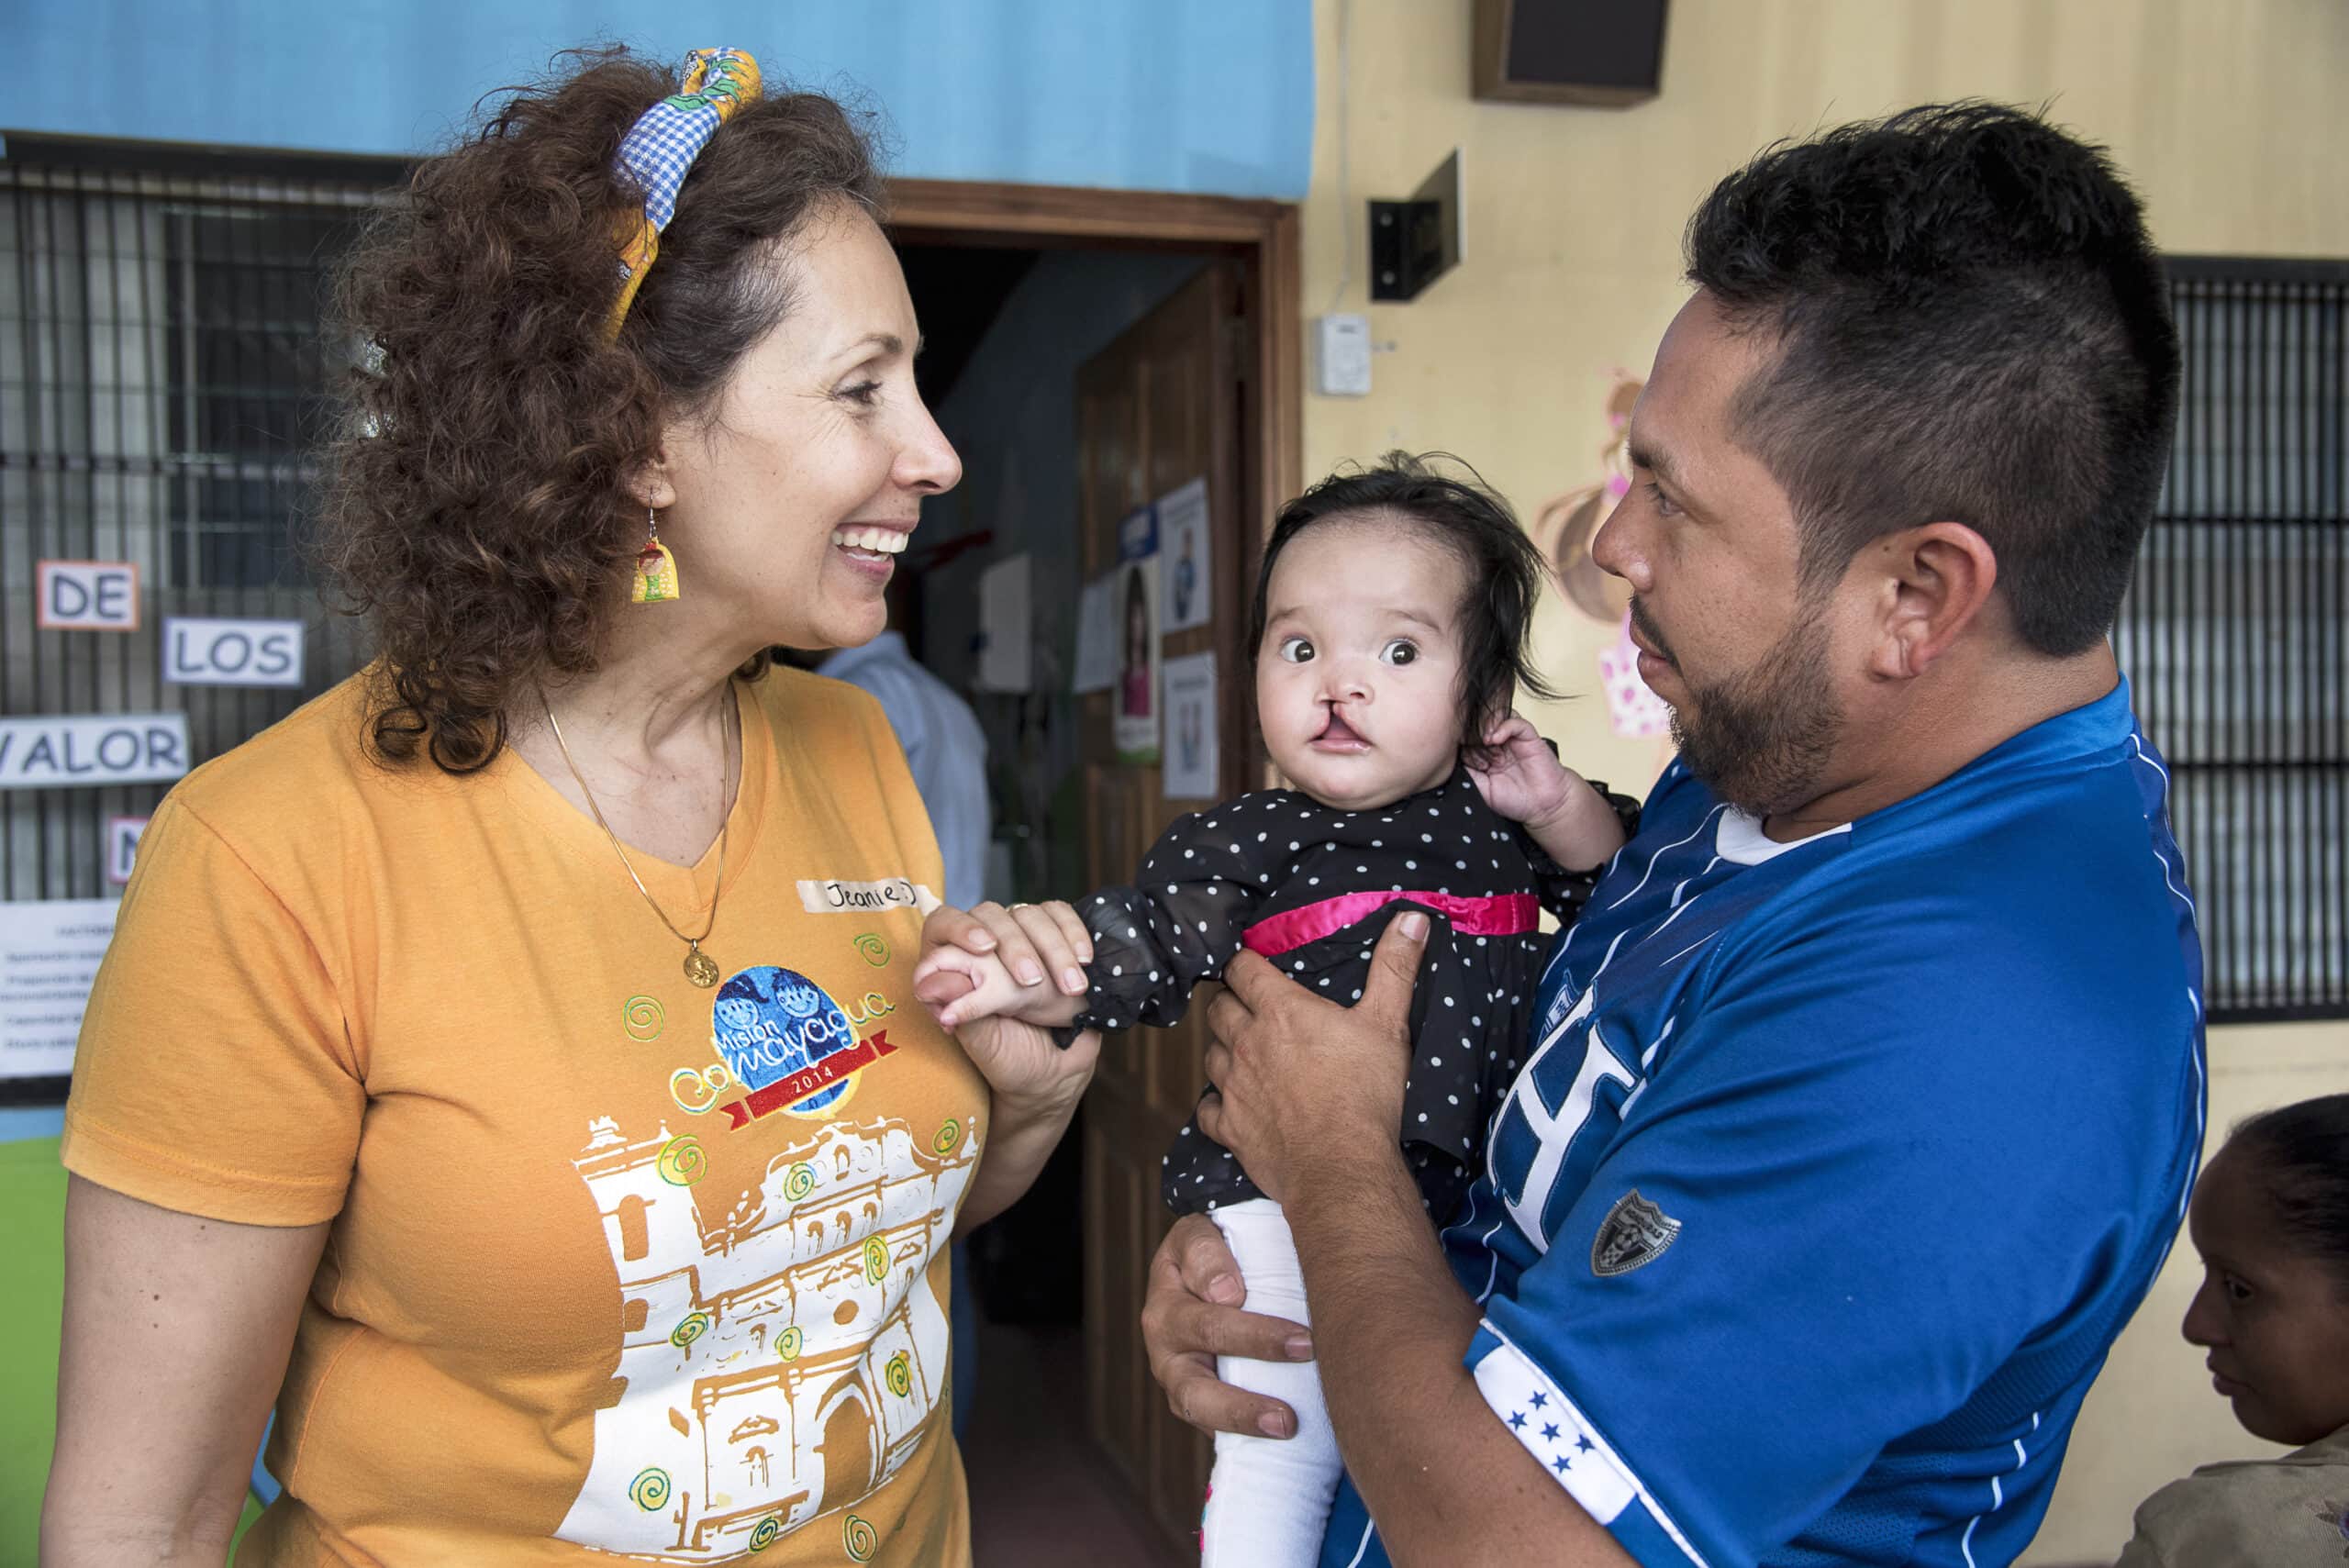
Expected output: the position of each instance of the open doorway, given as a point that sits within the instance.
(1090, 353)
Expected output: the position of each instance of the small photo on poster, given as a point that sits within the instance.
(1136, 693)
(1187, 572)
(1192, 763)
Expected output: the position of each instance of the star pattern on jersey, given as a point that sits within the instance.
(1560, 1458)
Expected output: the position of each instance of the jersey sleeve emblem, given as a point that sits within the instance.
(1634, 1235)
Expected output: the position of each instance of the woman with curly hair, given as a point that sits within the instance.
(505, 1065)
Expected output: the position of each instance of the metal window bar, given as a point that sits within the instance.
(161, 364)
(2235, 632)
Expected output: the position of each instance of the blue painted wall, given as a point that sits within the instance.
(1204, 96)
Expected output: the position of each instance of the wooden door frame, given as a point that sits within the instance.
(1261, 235)
(1258, 242)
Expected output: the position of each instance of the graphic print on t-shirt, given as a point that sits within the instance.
(782, 1350)
(785, 1039)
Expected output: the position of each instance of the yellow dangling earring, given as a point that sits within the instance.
(655, 579)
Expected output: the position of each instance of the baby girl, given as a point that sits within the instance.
(1389, 634)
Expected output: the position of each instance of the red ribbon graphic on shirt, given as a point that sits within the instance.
(808, 1080)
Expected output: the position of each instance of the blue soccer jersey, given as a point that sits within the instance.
(1837, 1166)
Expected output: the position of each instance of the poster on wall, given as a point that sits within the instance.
(1136, 696)
(92, 749)
(49, 951)
(1096, 636)
(1191, 760)
(1183, 537)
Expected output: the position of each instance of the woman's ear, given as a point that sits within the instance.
(649, 481)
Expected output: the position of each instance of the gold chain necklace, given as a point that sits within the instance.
(700, 968)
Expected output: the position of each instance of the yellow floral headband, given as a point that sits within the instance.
(660, 150)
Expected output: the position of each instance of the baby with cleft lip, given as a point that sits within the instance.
(1388, 635)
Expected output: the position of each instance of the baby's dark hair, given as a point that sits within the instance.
(2297, 1158)
(1463, 516)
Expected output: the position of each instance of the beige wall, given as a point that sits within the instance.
(2229, 114)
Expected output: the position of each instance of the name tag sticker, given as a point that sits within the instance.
(865, 897)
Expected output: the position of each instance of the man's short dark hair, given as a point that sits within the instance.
(1972, 325)
(1460, 514)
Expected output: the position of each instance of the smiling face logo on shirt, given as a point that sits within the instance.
(772, 1023)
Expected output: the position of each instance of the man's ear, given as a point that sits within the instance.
(1935, 582)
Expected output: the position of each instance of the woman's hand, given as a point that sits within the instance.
(1191, 1315)
(1024, 1070)
(1032, 941)
(1018, 1060)
(962, 983)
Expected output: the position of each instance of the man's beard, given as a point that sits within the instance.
(1761, 740)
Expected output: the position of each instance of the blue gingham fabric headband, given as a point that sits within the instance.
(660, 150)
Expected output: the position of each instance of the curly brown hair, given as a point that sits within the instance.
(477, 510)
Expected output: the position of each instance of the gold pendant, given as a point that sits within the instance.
(700, 968)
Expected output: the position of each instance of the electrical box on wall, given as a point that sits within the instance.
(1414, 242)
(1342, 355)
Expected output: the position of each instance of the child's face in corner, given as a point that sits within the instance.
(1358, 679)
(2274, 1318)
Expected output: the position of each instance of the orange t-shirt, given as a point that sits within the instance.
(619, 1265)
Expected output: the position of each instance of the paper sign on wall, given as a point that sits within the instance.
(1188, 573)
(1192, 767)
(72, 749)
(1006, 629)
(232, 652)
(122, 846)
(1135, 699)
(49, 951)
(86, 596)
(1096, 636)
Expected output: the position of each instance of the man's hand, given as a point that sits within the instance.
(1298, 1078)
(1192, 1315)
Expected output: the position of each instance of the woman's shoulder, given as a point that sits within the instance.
(2284, 1510)
(314, 762)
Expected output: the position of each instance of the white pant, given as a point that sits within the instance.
(1269, 1499)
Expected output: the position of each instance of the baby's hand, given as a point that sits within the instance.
(960, 986)
(1525, 782)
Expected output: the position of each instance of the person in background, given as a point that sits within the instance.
(2271, 1221)
(946, 752)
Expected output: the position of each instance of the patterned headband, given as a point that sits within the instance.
(660, 151)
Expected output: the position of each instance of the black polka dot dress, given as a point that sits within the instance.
(1311, 888)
